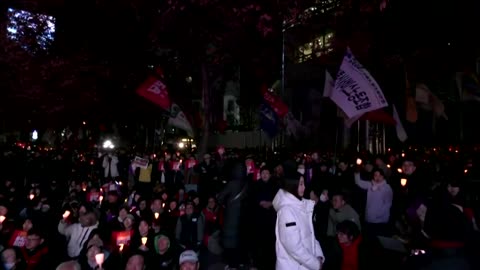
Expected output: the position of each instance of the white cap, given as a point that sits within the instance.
(188, 256)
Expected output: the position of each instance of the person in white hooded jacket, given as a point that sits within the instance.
(296, 245)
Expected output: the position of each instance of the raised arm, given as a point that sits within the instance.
(362, 183)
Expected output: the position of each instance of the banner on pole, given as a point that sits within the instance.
(356, 91)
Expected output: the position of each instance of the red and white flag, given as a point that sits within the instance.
(155, 91)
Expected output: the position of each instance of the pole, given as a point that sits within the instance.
(383, 140)
(358, 136)
(367, 136)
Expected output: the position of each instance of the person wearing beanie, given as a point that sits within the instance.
(296, 245)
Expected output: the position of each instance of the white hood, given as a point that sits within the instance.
(284, 198)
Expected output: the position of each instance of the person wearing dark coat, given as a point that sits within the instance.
(233, 198)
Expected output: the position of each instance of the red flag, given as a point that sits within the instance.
(155, 91)
(280, 108)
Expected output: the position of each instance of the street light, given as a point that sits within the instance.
(108, 144)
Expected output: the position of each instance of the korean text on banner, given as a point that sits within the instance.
(356, 91)
(155, 91)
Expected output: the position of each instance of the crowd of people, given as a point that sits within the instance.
(235, 211)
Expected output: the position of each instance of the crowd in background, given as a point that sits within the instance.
(176, 212)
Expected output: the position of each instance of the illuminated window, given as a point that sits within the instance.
(317, 47)
(33, 31)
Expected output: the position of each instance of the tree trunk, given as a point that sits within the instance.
(203, 148)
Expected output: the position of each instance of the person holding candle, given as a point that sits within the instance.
(78, 233)
(143, 230)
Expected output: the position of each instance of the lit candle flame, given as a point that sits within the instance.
(399, 170)
(156, 215)
(466, 171)
(388, 166)
(120, 247)
(100, 198)
(403, 182)
(31, 196)
(99, 258)
(359, 161)
(403, 154)
(144, 240)
(2, 219)
(66, 214)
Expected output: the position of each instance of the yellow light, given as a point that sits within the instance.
(144, 240)
(359, 161)
(399, 170)
(403, 182)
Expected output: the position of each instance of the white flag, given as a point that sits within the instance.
(401, 133)
(329, 84)
(179, 120)
(356, 91)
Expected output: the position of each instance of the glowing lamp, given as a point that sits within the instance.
(144, 240)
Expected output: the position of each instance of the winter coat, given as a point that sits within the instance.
(233, 197)
(110, 166)
(342, 214)
(296, 246)
(76, 235)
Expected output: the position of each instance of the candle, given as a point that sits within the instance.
(403, 182)
(156, 215)
(144, 240)
(359, 161)
(163, 205)
(99, 258)
(31, 196)
(120, 247)
(403, 154)
(399, 170)
(100, 199)
(465, 171)
(66, 214)
(2, 219)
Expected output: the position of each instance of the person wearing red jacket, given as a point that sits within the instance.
(35, 252)
(213, 219)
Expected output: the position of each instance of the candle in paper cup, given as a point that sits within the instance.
(2, 219)
(99, 258)
(66, 214)
(144, 240)
(120, 247)
(403, 182)
(156, 215)
(100, 199)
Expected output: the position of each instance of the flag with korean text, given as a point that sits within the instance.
(155, 91)
(356, 91)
